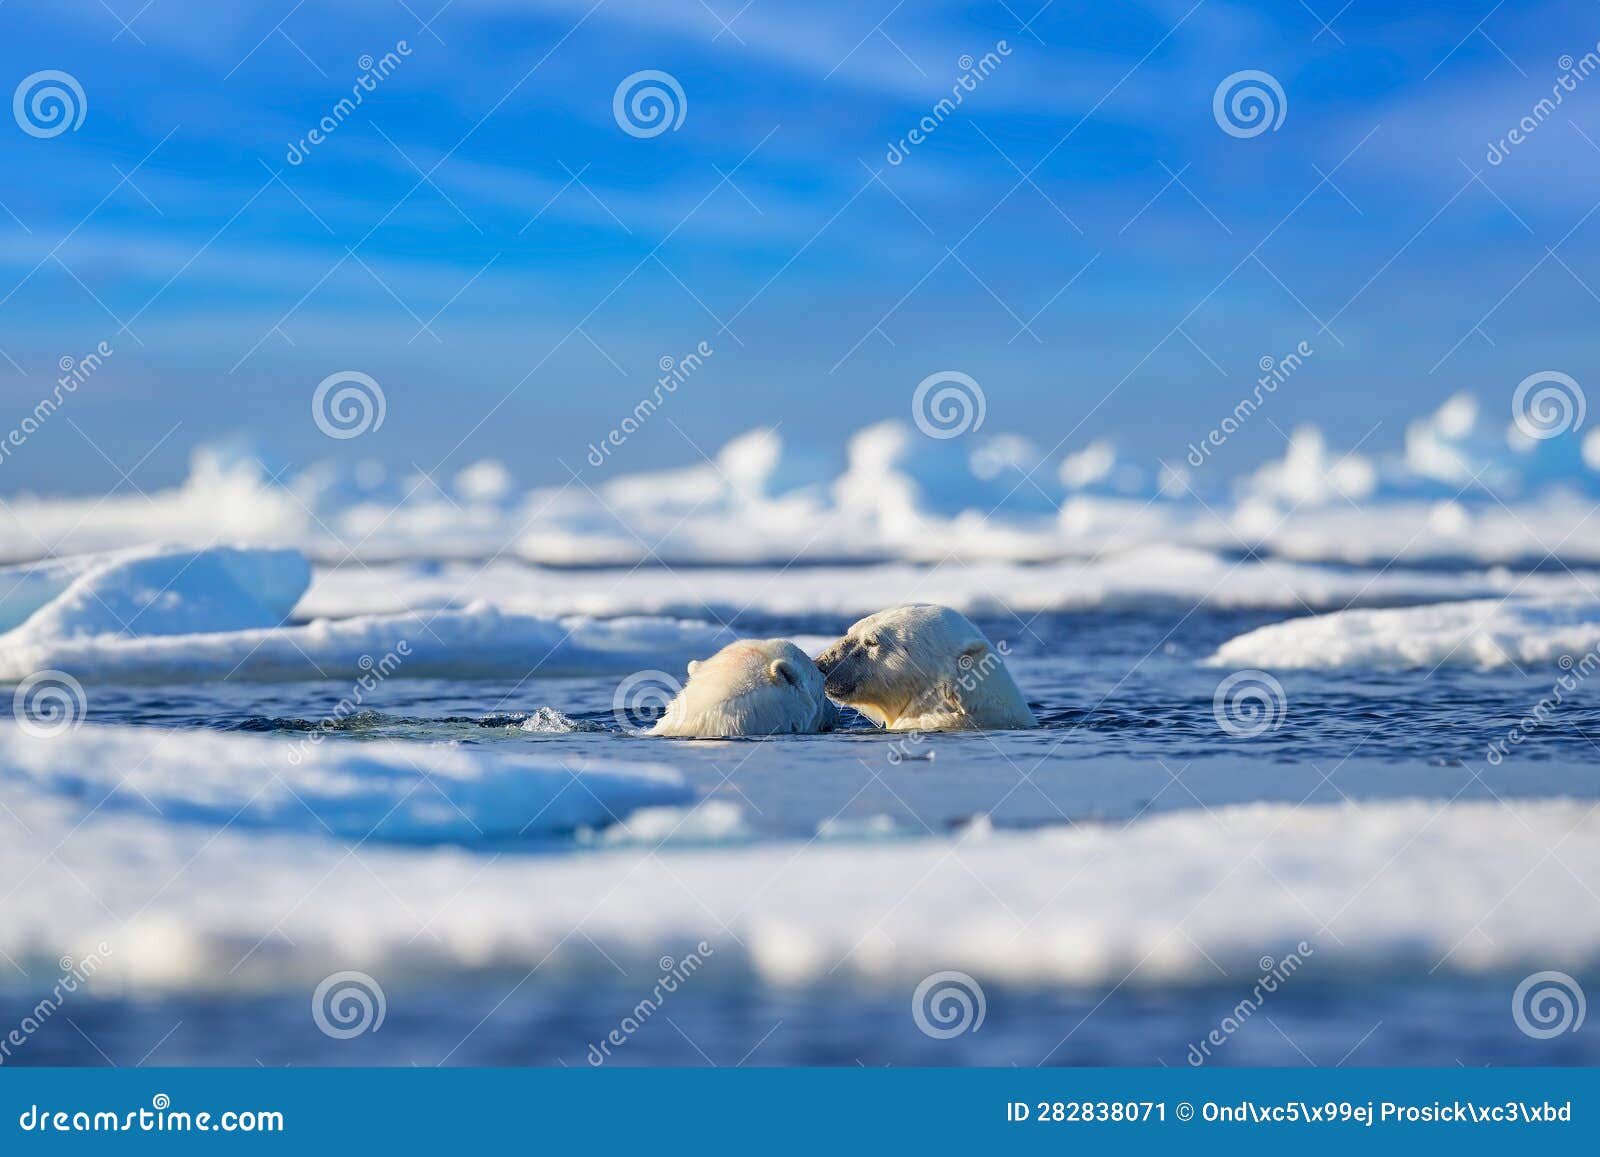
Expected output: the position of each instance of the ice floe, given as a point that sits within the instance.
(1477, 633)
(162, 614)
(382, 790)
(1170, 899)
(1462, 484)
(1136, 578)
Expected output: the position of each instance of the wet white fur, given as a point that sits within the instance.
(752, 687)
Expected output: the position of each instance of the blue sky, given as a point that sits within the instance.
(1080, 235)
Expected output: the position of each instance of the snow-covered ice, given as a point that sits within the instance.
(1478, 633)
(1138, 578)
(313, 783)
(1459, 486)
(1167, 899)
(163, 614)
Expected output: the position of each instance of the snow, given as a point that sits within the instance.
(478, 642)
(1310, 474)
(1478, 633)
(383, 791)
(1140, 577)
(889, 493)
(164, 615)
(155, 590)
(1164, 900)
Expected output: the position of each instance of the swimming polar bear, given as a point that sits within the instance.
(923, 668)
(752, 687)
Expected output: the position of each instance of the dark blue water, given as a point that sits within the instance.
(1117, 683)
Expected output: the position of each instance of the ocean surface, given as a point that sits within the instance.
(1129, 734)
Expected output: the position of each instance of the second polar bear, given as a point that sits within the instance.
(923, 668)
(752, 687)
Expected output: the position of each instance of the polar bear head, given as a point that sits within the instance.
(923, 667)
(752, 687)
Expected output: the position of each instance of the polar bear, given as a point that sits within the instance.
(752, 687)
(923, 668)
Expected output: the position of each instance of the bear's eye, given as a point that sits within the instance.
(873, 643)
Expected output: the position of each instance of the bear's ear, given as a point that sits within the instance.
(781, 671)
(694, 665)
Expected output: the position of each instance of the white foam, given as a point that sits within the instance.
(549, 721)
(1169, 899)
(1477, 633)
